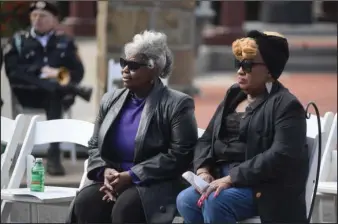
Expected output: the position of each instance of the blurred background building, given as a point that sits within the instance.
(80, 16)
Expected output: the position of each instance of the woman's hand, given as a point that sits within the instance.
(204, 173)
(206, 176)
(121, 181)
(217, 185)
(109, 176)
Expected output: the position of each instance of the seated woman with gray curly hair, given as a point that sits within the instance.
(143, 141)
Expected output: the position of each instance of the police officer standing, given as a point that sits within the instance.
(44, 70)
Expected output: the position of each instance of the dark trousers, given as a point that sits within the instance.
(90, 208)
(50, 102)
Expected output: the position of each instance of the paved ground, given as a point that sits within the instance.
(320, 88)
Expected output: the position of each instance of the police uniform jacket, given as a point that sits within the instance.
(24, 56)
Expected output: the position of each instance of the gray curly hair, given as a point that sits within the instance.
(153, 45)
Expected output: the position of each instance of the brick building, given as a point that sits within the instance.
(80, 16)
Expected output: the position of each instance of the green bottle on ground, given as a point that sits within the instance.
(38, 176)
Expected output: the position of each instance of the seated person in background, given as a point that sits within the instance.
(143, 141)
(43, 69)
(253, 152)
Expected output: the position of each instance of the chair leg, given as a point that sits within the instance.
(335, 209)
(6, 208)
(33, 213)
(73, 154)
(320, 211)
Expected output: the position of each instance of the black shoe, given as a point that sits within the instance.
(55, 168)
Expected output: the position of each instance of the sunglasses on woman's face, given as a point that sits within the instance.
(246, 65)
(132, 65)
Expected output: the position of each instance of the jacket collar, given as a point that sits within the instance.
(235, 95)
(146, 116)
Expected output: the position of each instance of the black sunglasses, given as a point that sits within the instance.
(246, 64)
(132, 65)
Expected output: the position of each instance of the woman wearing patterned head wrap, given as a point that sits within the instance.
(253, 152)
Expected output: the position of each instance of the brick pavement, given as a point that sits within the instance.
(319, 88)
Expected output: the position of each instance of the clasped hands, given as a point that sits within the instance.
(49, 72)
(214, 185)
(114, 183)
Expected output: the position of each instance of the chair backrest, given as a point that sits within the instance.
(326, 124)
(313, 149)
(328, 168)
(43, 132)
(11, 131)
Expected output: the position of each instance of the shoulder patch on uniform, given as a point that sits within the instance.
(22, 32)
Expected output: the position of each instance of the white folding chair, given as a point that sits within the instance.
(42, 132)
(327, 186)
(11, 131)
(67, 114)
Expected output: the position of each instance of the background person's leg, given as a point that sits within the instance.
(186, 203)
(89, 207)
(230, 206)
(54, 111)
(128, 208)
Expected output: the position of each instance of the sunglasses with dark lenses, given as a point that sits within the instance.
(132, 65)
(246, 64)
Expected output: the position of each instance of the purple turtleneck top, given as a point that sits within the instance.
(123, 132)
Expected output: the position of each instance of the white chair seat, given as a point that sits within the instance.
(43, 132)
(50, 195)
(327, 187)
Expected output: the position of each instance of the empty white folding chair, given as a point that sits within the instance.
(43, 132)
(66, 114)
(326, 124)
(11, 131)
(327, 186)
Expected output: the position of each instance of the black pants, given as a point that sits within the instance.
(89, 207)
(51, 102)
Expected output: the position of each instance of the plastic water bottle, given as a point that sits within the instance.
(38, 176)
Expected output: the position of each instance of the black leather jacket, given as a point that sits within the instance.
(164, 146)
(276, 164)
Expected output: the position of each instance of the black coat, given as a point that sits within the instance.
(165, 141)
(24, 56)
(276, 162)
